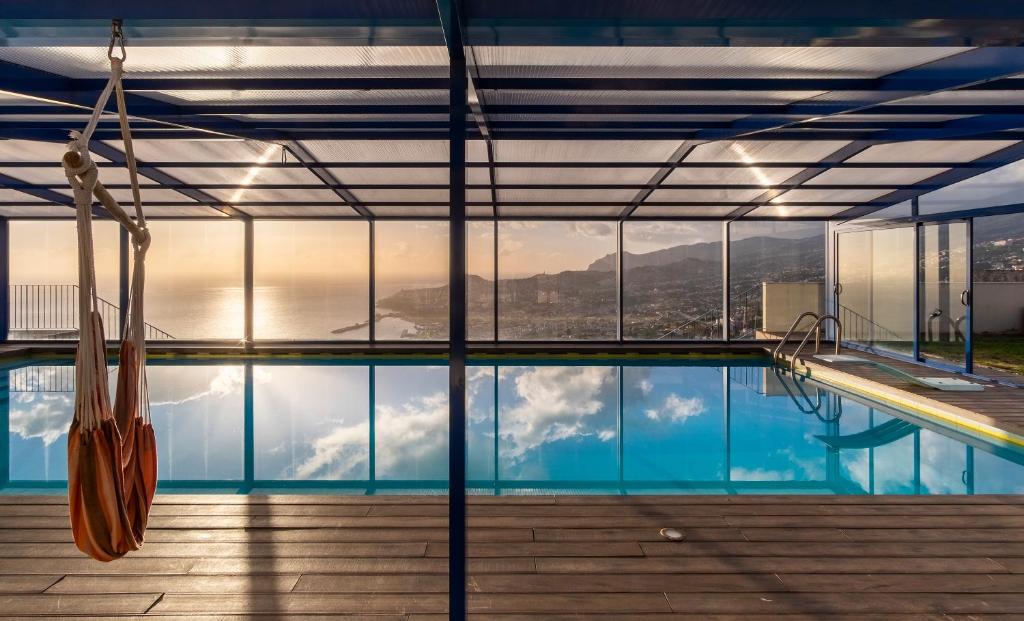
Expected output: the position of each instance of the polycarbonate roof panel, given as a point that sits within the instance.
(406, 211)
(556, 211)
(481, 211)
(711, 196)
(1002, 186)
(260, 211)
(368, 96)
(752, 152)
(54, 176)
(983, 98)
(250, 61)
(711, 211)
(124, 197)
(584, 150)
(477, 176)
(579, 176)
(731, 176)
(677, 118)
(368, 176)
(255, 175)
(35, 151)
(782, 211)
(271, 196)
(931, 151)
(179, 211)
(899, 210)
(829, 196)
(47, 210)
(702, 62)
(478, 196)
(402, 196)
(873, 176)
(8, 195)
(378, 150)
(211, 150)
(639, 97)
(566, 196)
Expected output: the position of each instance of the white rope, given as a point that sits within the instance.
(92, 399)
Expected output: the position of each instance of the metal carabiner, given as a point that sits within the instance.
(116, 36)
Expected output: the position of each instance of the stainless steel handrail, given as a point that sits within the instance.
(817, 342)
(792, 328)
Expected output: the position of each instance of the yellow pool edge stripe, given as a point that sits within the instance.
(887, 394)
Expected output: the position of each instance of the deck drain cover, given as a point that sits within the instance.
(672, 534)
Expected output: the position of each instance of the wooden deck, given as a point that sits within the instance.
(546, 557)
(1000, 406)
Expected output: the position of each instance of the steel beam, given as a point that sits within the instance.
(330, 181)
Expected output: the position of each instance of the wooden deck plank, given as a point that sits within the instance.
(76, 604)
(599, 558)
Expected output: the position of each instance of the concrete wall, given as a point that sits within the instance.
(999, 307)
(781, 302)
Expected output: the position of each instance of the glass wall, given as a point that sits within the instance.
(776, 272)
(311, 280)
(411, 280)
(480, 281)
(311, 422)
(557, 281)
(554, 280)
(194, 272)
(44, 278)
(672, 282)
(998, 293)
(876, 288)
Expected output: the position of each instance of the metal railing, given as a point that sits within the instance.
(50, 312)
(863, 329)
(792, 328)
(816, 326)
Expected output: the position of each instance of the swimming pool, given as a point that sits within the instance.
(636, 426)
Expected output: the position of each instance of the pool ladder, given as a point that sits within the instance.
(815, 328)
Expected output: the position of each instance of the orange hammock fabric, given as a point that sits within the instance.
(112, 458)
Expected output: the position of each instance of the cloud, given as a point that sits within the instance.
(760, 474)
(591, 229)
(555, 403)
(46, 416)
(338, 455)
(677, 409)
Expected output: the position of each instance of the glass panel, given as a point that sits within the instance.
(557, 281)
(480, 281)
(673, 424)
(673, 280)
(312, 280)
(998, 291)
(876, 297)
(194, 280)
(558, 423)
(776, 272)
(311, 422)
(944, 292)
(198, 419)
(41, 404)
(44, 279)
(411, 423)
(481, 426)
(411, 280)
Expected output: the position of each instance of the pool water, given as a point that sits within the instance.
(630, 427)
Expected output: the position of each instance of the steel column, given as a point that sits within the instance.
(969, 286)
(373, 282)
(457, 109)
(5, 285)
(247, 283)
(725, 280)
(124, 279)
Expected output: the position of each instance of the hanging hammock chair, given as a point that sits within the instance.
(112, 460)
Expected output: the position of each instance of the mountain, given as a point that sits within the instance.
(749, 250)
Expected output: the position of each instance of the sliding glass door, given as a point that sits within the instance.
(876, 288)
(944, 290)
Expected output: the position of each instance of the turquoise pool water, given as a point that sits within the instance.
(630, 427)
